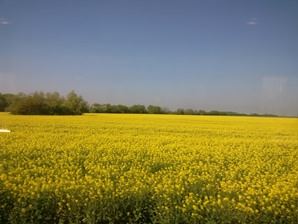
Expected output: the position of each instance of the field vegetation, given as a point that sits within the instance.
(128, 168)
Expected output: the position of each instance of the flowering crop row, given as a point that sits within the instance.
(148, 169)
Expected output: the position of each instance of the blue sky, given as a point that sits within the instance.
(230, 55)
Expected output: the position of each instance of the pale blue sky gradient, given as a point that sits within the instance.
(232, 55)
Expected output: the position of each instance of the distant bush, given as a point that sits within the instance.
(154, 110)
(40, 103)
(134, 109)
(137, 109)
(108, 108)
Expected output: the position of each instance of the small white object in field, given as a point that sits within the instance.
(4, 130)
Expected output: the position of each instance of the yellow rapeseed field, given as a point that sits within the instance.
(109, 168)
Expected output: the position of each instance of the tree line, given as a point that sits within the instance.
(40, 103)
(72, 104)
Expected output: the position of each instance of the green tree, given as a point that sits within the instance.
(75, 103)
(30, 104)
(189, 111)
(151, 109)
(3, 102)
(46, 103)
(137, 109)
(180, 111)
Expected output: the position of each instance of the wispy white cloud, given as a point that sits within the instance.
(252, 22)
(4, 21)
